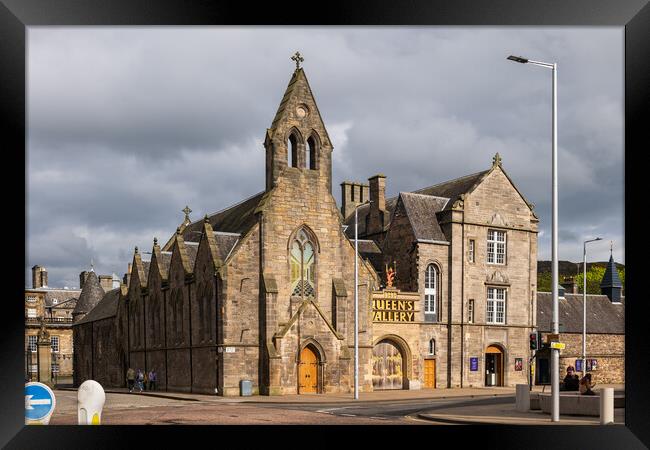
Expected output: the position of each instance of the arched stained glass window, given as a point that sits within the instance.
(302, 259)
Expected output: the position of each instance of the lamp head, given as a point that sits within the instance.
(518, 59)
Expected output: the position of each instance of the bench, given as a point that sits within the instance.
(572, 403)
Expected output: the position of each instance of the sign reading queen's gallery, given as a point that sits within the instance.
(391, 305)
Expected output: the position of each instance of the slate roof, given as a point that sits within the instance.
(238, 218)
(421, 210)
(192, 249)
(225, 243)
(91, 294)
(611, 278)
(603, 316)
(62, 295)
(367, 246)
(451, 190)
(165, 260)
(107, 307)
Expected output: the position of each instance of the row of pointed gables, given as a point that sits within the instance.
(161, 258)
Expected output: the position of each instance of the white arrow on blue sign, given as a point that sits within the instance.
(39, 401)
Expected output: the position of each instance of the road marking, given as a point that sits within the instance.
(380, 418)
(29, 402)
(348, 415)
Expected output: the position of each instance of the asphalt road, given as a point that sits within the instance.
(125, 409)
(394, 409)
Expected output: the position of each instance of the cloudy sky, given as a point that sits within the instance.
(128, 125)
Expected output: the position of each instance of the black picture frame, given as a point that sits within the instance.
(16, 15)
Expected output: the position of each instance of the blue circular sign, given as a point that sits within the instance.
(39, 401)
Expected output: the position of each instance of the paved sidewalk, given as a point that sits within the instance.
(378, 396)
(508, 415)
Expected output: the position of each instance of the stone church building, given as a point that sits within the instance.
(264, 290)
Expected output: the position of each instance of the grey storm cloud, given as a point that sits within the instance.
(128, 125)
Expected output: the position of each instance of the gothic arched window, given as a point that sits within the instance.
(302, 261)
(430, 287)
(432, 346)
(312, 152)
(292, 151)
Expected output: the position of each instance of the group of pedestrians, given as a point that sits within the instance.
(141, 380)
(571, 382)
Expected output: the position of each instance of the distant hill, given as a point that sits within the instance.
(595, 272)
(571, 269)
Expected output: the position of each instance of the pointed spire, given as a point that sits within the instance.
(496, 161)
(611, 284)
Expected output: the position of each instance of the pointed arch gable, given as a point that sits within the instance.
(313, 343)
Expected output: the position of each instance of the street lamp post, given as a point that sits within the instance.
(555, 353)
(356, 300)
(584, 305)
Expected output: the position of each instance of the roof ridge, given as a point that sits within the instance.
(228, 207)
(417, 191)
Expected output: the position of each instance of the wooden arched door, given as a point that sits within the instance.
(308, 371)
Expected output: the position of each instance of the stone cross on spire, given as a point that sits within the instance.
(298, 59)
(187, 212)
(611, 248)
(496, 161)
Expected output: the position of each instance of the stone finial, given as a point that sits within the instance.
(298, 59)
(187, 212)
(496, 161)
(178, 230)
(611, 248)
(92, 265)
(136, 249)
(205, 219)
(155, 241)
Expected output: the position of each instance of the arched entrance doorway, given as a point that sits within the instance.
(494, 366)
(308, 371)
(388, 366)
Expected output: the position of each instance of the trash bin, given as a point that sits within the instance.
(245, 388)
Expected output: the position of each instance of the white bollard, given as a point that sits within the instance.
(90, 401)
(523, 398)
(606, 406)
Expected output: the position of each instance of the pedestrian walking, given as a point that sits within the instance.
(139, 379)
(146, 380)
(586, 387)
(152, 380)
(130, 378)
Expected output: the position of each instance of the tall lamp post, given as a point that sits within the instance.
(555, 353)
(356, 299)
(584, 305)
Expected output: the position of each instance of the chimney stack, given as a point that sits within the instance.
(106, 282)
(570, 285)
(378, 205)
(352, 195)
(39, 277)
(82, 278)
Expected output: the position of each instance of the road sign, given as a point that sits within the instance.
(558, 345)
(39, 403)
